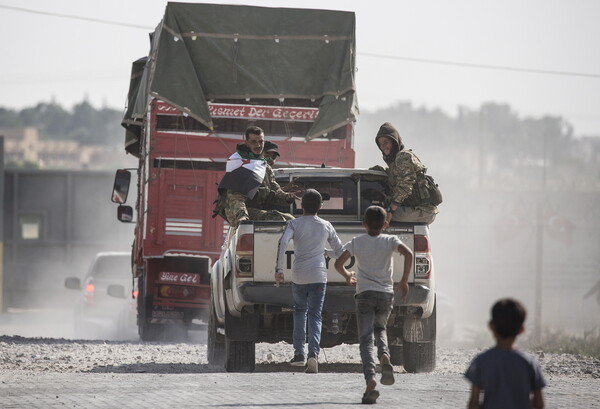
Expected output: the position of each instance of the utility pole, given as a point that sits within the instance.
(481, 129)
(1, 224)
(539, 250)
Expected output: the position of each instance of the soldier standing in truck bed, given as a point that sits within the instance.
(249, 185)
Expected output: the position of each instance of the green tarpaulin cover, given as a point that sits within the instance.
(202, 52)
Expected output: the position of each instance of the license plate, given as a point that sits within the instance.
(168, 314)
(179, 278)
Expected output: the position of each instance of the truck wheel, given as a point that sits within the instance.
(216, 344)
(148, 332)
(396, 354)
(419, 343)
(239, 355)
(419, 357)
(177, 332)
(151, 332)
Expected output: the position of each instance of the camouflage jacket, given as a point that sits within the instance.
(402, 178)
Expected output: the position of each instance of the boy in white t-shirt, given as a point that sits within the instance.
(375, 292)
(310, 234)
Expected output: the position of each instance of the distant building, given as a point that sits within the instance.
(20, 145)
(23, 148)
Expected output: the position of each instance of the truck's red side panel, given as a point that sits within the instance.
(180, 204)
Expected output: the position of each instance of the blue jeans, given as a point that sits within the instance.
(308, 301)
(373, 309)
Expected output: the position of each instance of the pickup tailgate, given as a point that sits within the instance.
(266, 239)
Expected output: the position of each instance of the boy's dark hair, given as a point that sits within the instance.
(311, 201)
(255, 130)
(374, 218)
(508, 315)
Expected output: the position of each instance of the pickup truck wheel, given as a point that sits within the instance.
(419, 357)
(396, 354)
(419, 351)
(240, 355)
(216, 344)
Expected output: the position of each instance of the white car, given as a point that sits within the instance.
(106, 307)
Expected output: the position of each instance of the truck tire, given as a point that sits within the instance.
(216, 344)
(148, 332)
(419, 357)
(239, 355)
(419, 344)
(151, 332)
(396, 354)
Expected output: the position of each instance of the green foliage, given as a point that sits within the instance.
(561, 342)
(85, 124)
(9, 118)
(491, 147)
(552, 341)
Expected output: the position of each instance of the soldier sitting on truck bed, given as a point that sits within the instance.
(249, 185)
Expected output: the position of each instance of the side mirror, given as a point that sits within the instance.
(125, 214)
(116, 290)
(73, 283)
(325, 196)
(121, 186)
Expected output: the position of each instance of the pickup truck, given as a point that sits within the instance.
(246, 307)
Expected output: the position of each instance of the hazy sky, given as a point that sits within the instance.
(45, 57)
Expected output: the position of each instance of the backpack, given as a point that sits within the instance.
(425, 191)
(433, 190)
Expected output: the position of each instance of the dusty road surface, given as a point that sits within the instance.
(58, 372)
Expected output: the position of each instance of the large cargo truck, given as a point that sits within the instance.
(212, 71)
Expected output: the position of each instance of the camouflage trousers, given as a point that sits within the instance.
(258, 214)
(414, 215)
(236, 209)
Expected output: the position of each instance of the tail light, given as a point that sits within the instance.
(244, 251)
(89, 293)
(177, 291)
(421, 243)
(422, 257)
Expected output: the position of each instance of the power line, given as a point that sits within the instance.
(95, 20)
(485, 66)
(389, 57)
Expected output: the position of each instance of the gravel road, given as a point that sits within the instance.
(63, 355)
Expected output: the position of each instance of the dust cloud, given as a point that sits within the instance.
(494, 237)
(498, 235)
(77, 221)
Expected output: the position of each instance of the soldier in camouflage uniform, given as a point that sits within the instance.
(237, 206)
(408, 199)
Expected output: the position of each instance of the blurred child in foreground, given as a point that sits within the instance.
(507, 377)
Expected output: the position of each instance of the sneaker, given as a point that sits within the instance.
(387, 370)
(312, 365)
(298, 360)
(371, 394)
